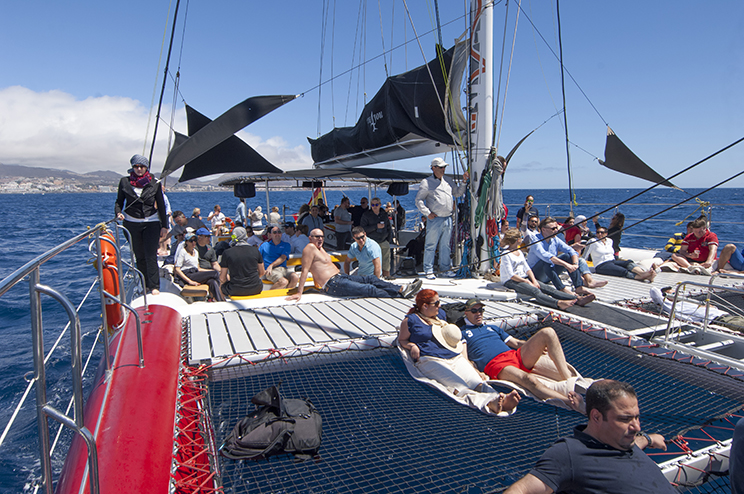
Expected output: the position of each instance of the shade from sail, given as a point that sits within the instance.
(620, 158)
(404, 119)
(208, 135)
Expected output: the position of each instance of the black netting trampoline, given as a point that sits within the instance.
(385, 432)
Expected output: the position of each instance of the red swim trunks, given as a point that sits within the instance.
(497, 364)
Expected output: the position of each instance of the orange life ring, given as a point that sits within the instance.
(114, 311)
(230, 223)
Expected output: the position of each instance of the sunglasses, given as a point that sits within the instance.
(551, 229)
(359, 237)
(478, 311)
(375, 204)
(317, 236)
(435, 304)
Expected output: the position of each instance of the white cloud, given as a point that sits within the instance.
(55, 130)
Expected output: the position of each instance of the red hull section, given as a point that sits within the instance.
(132, 416)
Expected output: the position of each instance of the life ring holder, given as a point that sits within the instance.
(114, 311)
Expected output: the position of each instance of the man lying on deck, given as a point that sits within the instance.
(328, 278)
(501, 356)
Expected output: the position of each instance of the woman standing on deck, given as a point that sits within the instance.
(437, 353)
(140, 205)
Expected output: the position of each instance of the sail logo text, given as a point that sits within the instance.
(372, 120)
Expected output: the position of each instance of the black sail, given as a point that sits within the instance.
(620, 158)
(405, 118)
(229, 153)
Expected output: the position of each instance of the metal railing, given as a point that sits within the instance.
(709, 287)
(44, 409)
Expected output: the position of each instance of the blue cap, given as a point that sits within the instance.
(203, 231)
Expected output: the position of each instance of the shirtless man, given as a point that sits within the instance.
(327, 277)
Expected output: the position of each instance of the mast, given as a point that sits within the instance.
(480, 89)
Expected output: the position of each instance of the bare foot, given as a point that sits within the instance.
(155, 292)
(565, 304)
(576, 402)
(597, 284)
(653, 274)
(582, 301)
(505, 402)
(581, 290)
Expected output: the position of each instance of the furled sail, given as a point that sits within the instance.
(404, 119)
(620, 158)
(228, 152)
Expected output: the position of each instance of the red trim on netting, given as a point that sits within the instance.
(194, 461)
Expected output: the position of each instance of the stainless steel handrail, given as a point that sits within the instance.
(708, 287)
(44, 409)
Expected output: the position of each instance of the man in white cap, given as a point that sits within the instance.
(435, 201)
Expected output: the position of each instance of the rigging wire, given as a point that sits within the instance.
(497, 96)
(506, 86)
(382, 39)
(565, 117)
(165, 79)
(176, 82)
(323, 29)
(439, 55)
(568, 72)
(157, 77)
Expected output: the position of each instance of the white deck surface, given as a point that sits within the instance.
(258, 331)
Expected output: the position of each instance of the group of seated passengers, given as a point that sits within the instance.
(695, 252)
(548, 257)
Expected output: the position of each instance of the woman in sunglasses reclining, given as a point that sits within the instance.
(436, 352)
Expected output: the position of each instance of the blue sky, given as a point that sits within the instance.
(78, 78)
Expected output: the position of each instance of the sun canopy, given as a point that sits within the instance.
(620, 158)
(212, 146)
(404, 119)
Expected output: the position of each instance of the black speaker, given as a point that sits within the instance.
(245, 190)
(398, 189)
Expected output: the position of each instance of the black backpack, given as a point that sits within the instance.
(277, 426)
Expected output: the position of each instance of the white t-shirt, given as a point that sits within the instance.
(599, 251)
(184, 260)
(217, 219)
(512, 264)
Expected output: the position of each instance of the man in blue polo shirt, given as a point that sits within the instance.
(366, 251)
(275, 254)
(501, 356)
(605, 455)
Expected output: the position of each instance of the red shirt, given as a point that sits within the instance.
(571, 234)
(701, 244)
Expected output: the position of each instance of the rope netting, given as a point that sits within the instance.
(384, 432)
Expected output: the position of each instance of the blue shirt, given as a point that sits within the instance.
(271, 252)
(369, 253)
(545, 249)
(485, 343)
(422, 336)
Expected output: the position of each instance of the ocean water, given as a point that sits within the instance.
(32, 224)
